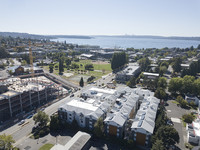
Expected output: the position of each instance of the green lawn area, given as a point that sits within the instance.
(46, 147)
(98, 69)
(97, 65)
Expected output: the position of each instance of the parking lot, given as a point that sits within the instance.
(175, 113)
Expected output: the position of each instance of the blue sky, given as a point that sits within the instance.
(101, 17)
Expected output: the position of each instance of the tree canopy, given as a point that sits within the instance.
(175, 85)
(168, 135)
(81, 83)
(4, 53)
(177, 64)
(6, 142)
(118, 60)
(131, 83)
(162, 82)
(42, 118)
(144, 63)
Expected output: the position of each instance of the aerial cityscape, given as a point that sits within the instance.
(100, 75)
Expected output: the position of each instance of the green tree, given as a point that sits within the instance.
(81, 83)
(118, 60)
(54, 123)
(6, 142)
(158, 145)
(162, 82)
(177, 65)
(99, 128)
(188, 84)
(183, 103)
(168, 135)
(4, 53)
(188, 118)
(68, 61)
(175, 85)
(89, 67)
(131, 83)
(42, 118)
(144, 63)
(197, 87)
(51, 66)
(160, 93)
(61, 66)
(193, 69)
(162, 70)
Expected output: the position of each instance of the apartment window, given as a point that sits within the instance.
(70, 114)
(70, 118)
(81, 121)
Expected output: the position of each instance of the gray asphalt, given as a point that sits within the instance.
(173, 111)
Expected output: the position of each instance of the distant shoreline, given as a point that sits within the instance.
(37, 36)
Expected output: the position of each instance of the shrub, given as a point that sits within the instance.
(89, 67)
(188, 118)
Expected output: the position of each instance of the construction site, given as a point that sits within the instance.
(26, 95)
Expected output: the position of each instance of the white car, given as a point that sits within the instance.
(21, 122)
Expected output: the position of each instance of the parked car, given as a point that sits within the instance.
(30, 116)
(21, 122)
(42, 109)
(72, 95)
(169, 122)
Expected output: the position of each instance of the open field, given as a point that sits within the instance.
(100, 69)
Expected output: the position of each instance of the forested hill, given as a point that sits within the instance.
(35, 36)
(23, 35)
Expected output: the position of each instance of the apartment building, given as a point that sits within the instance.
(24, 95)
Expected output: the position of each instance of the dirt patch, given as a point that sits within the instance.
(68, 74)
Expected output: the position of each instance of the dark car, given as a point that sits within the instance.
(30, 116)
(72, 95)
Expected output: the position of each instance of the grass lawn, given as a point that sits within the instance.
(98, 67)
(46, 147)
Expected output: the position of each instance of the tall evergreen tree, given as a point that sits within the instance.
(81, 83)
(118, 60)
(61, 66)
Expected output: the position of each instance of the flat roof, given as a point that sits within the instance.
(77, 142)
(108, 91)
(150, 74)
(83, 105)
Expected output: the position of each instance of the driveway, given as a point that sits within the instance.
(175, 113)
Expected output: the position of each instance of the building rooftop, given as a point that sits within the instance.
(77, 142)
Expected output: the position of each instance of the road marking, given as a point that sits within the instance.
(169, 111)
(176, 120)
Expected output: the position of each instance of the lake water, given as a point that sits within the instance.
(125, 42)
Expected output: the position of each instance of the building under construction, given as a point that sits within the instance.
(27, 94)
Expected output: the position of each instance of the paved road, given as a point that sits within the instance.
(20, 132)
(175, 113)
